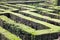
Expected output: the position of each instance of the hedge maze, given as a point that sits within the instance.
(28, 22)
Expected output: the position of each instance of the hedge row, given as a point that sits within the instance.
(8, 35)
(52, 26)
(57, 8)
(40, 17)
(38, 8)
(32, 19)
(20, 7)
(7, 8)
(53, 15)
(29, 6)
(17, 28)
(18, 23)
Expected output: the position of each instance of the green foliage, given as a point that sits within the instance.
(16, 26)
(8, 35)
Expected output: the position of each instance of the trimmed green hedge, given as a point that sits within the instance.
(38, 8)
(55, 7)
(20, 28)
(30, 30)
(20, 7)
(16, 26)
(7, 8)
(40, 16)
(41, 22)
(52, 15)
(43, 12)
(34, 20)
(30, 7)
(8, 35)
